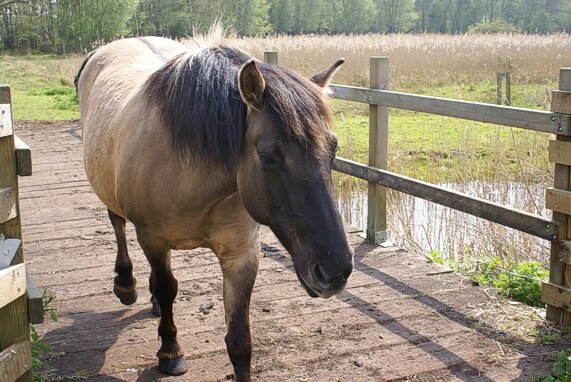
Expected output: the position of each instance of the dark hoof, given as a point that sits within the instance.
(156, 310)
(175, 366)
(127, 297)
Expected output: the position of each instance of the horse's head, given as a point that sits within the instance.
(284, 175)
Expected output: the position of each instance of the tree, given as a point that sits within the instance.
(396, 15)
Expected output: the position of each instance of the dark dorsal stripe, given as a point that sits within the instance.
(157, 52)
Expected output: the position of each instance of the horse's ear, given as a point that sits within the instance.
(251, 84)
(322, 78)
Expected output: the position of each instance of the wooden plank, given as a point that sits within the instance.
(23, 157)
(558, 200)
(560, 152)
(15, 361)
(8, 209)
(532, 224)
(561, 101)
(5, 120)
(556, 295)
(35, 301)
(538, 120)
(12, 283)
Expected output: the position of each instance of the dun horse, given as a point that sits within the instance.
(196, 147)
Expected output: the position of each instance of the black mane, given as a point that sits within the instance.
(199, 100)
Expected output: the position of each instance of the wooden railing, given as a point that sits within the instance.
(557, 291)
(20, 301)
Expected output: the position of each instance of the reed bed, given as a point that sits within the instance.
(423, 60)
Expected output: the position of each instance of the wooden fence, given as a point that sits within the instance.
(20, 301)
(556, 293)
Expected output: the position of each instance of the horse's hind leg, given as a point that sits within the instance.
(125, 284)
(156, 307)
(164, 289)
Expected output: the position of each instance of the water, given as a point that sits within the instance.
(425, 227)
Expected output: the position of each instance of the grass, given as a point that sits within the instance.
(42, 86)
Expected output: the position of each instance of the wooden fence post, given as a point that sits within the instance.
(499, 77)
(15, 351)
(557, 292)
(378, 146)
(500, 98)
(271, 57)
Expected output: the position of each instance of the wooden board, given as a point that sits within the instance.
(502, 115)
(8, 210)
(561, 101)
(560, 152)
(523, 221)
(558, 200)
(12, 283)
(23, 157)
(556, 295)
(15, 361)
(35, 300)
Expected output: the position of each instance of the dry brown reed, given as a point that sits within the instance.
(424, 59)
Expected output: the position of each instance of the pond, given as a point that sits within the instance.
(425, 227)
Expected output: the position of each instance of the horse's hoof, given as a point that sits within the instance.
(127, 297)
(156, 310)
(175, 366)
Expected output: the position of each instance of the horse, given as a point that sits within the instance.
(196, 146)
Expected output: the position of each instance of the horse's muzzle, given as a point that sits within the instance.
(323, 282)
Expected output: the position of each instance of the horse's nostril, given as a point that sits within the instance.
(319, 275)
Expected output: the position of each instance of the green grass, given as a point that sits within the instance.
(42, 86)
(420, 143)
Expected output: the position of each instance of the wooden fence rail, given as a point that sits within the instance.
(538, 120)
(557, 291)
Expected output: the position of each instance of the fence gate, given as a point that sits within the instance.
(20, 302)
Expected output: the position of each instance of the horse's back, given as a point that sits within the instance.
(112, 80)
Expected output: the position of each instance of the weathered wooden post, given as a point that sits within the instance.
(500, 98)
(378, 146)
(271, 57)
(508, 89)
(15, 350)
(557, 293)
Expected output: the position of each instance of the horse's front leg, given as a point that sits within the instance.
(165, 288)
(239, 270)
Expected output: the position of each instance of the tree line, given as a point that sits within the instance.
(63, 26)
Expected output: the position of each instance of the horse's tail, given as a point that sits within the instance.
(76, 79)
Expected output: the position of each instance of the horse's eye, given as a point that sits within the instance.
(269, 161)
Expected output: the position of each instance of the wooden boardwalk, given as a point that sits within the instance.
(401, 317)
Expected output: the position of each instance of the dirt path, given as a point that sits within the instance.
(401, 318)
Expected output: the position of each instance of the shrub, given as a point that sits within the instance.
(492, 27)
(562, 368)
